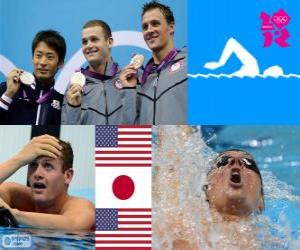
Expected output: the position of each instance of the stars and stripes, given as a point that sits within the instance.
(123, 146)
(123, 229)
(123, 223)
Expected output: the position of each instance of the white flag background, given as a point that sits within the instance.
(141, 176)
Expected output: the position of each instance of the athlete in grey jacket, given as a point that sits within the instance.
(99, 101)
(162, 90)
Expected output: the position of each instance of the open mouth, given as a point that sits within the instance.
(39, 185)
(235, 178)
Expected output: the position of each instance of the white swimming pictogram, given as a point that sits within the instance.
(249, 68)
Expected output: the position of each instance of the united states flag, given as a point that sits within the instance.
(123, 146)
(123, 158)
(123, 229)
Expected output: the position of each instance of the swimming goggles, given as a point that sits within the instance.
(224, 159)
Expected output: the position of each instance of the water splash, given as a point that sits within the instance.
(181, 214)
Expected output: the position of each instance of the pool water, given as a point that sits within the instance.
(48, 239)
(277, 153)
(180, 164)
(54, 239)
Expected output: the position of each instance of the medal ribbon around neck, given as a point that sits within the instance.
(149, 68)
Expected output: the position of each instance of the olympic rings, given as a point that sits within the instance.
(280, 19)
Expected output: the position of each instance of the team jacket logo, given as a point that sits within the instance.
(175, 67)
(56, 104)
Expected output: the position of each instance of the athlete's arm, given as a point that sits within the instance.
(78, 214)
(44, 145)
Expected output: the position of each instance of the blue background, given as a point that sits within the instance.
(241, 101)
(20, 20)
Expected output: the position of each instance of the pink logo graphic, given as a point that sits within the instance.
(273, 28)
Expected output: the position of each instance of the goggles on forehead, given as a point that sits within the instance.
(224, 159)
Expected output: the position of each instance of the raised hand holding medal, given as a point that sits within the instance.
(127, 76)
(74, 92)
(78, 78)
(27, 79)
(137, 61)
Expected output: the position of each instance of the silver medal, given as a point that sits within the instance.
(27, 78)
(137, 61)
(78, 78)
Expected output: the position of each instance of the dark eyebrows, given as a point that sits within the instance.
(39, 52)
(155, 21)
(32, 163)
(152, 21)
(48, 159)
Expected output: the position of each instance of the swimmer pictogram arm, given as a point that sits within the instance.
(249, 64)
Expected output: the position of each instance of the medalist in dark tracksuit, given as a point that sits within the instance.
(41, 106)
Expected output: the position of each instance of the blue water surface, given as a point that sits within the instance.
(52, 239)
(47, 239)
(277, 153)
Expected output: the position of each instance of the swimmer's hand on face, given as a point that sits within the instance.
(128, 76)
(13, 82)
(74, 95)
(44, 145)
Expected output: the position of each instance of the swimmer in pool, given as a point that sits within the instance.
(45, 203)
(235, 187)
(233, 193)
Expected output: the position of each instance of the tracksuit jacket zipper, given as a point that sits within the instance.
(37, 120)
(106, 108)
(154, 103)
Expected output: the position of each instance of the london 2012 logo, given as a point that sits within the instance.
(274, 28)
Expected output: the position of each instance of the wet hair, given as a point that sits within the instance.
(102, 24)
(164, 9)
(54, 40)
(67, 155)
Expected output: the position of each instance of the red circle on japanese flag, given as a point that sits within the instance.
(123, 187)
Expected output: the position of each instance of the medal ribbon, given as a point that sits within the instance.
(149, 67)
(45, 97)
(114, 70)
